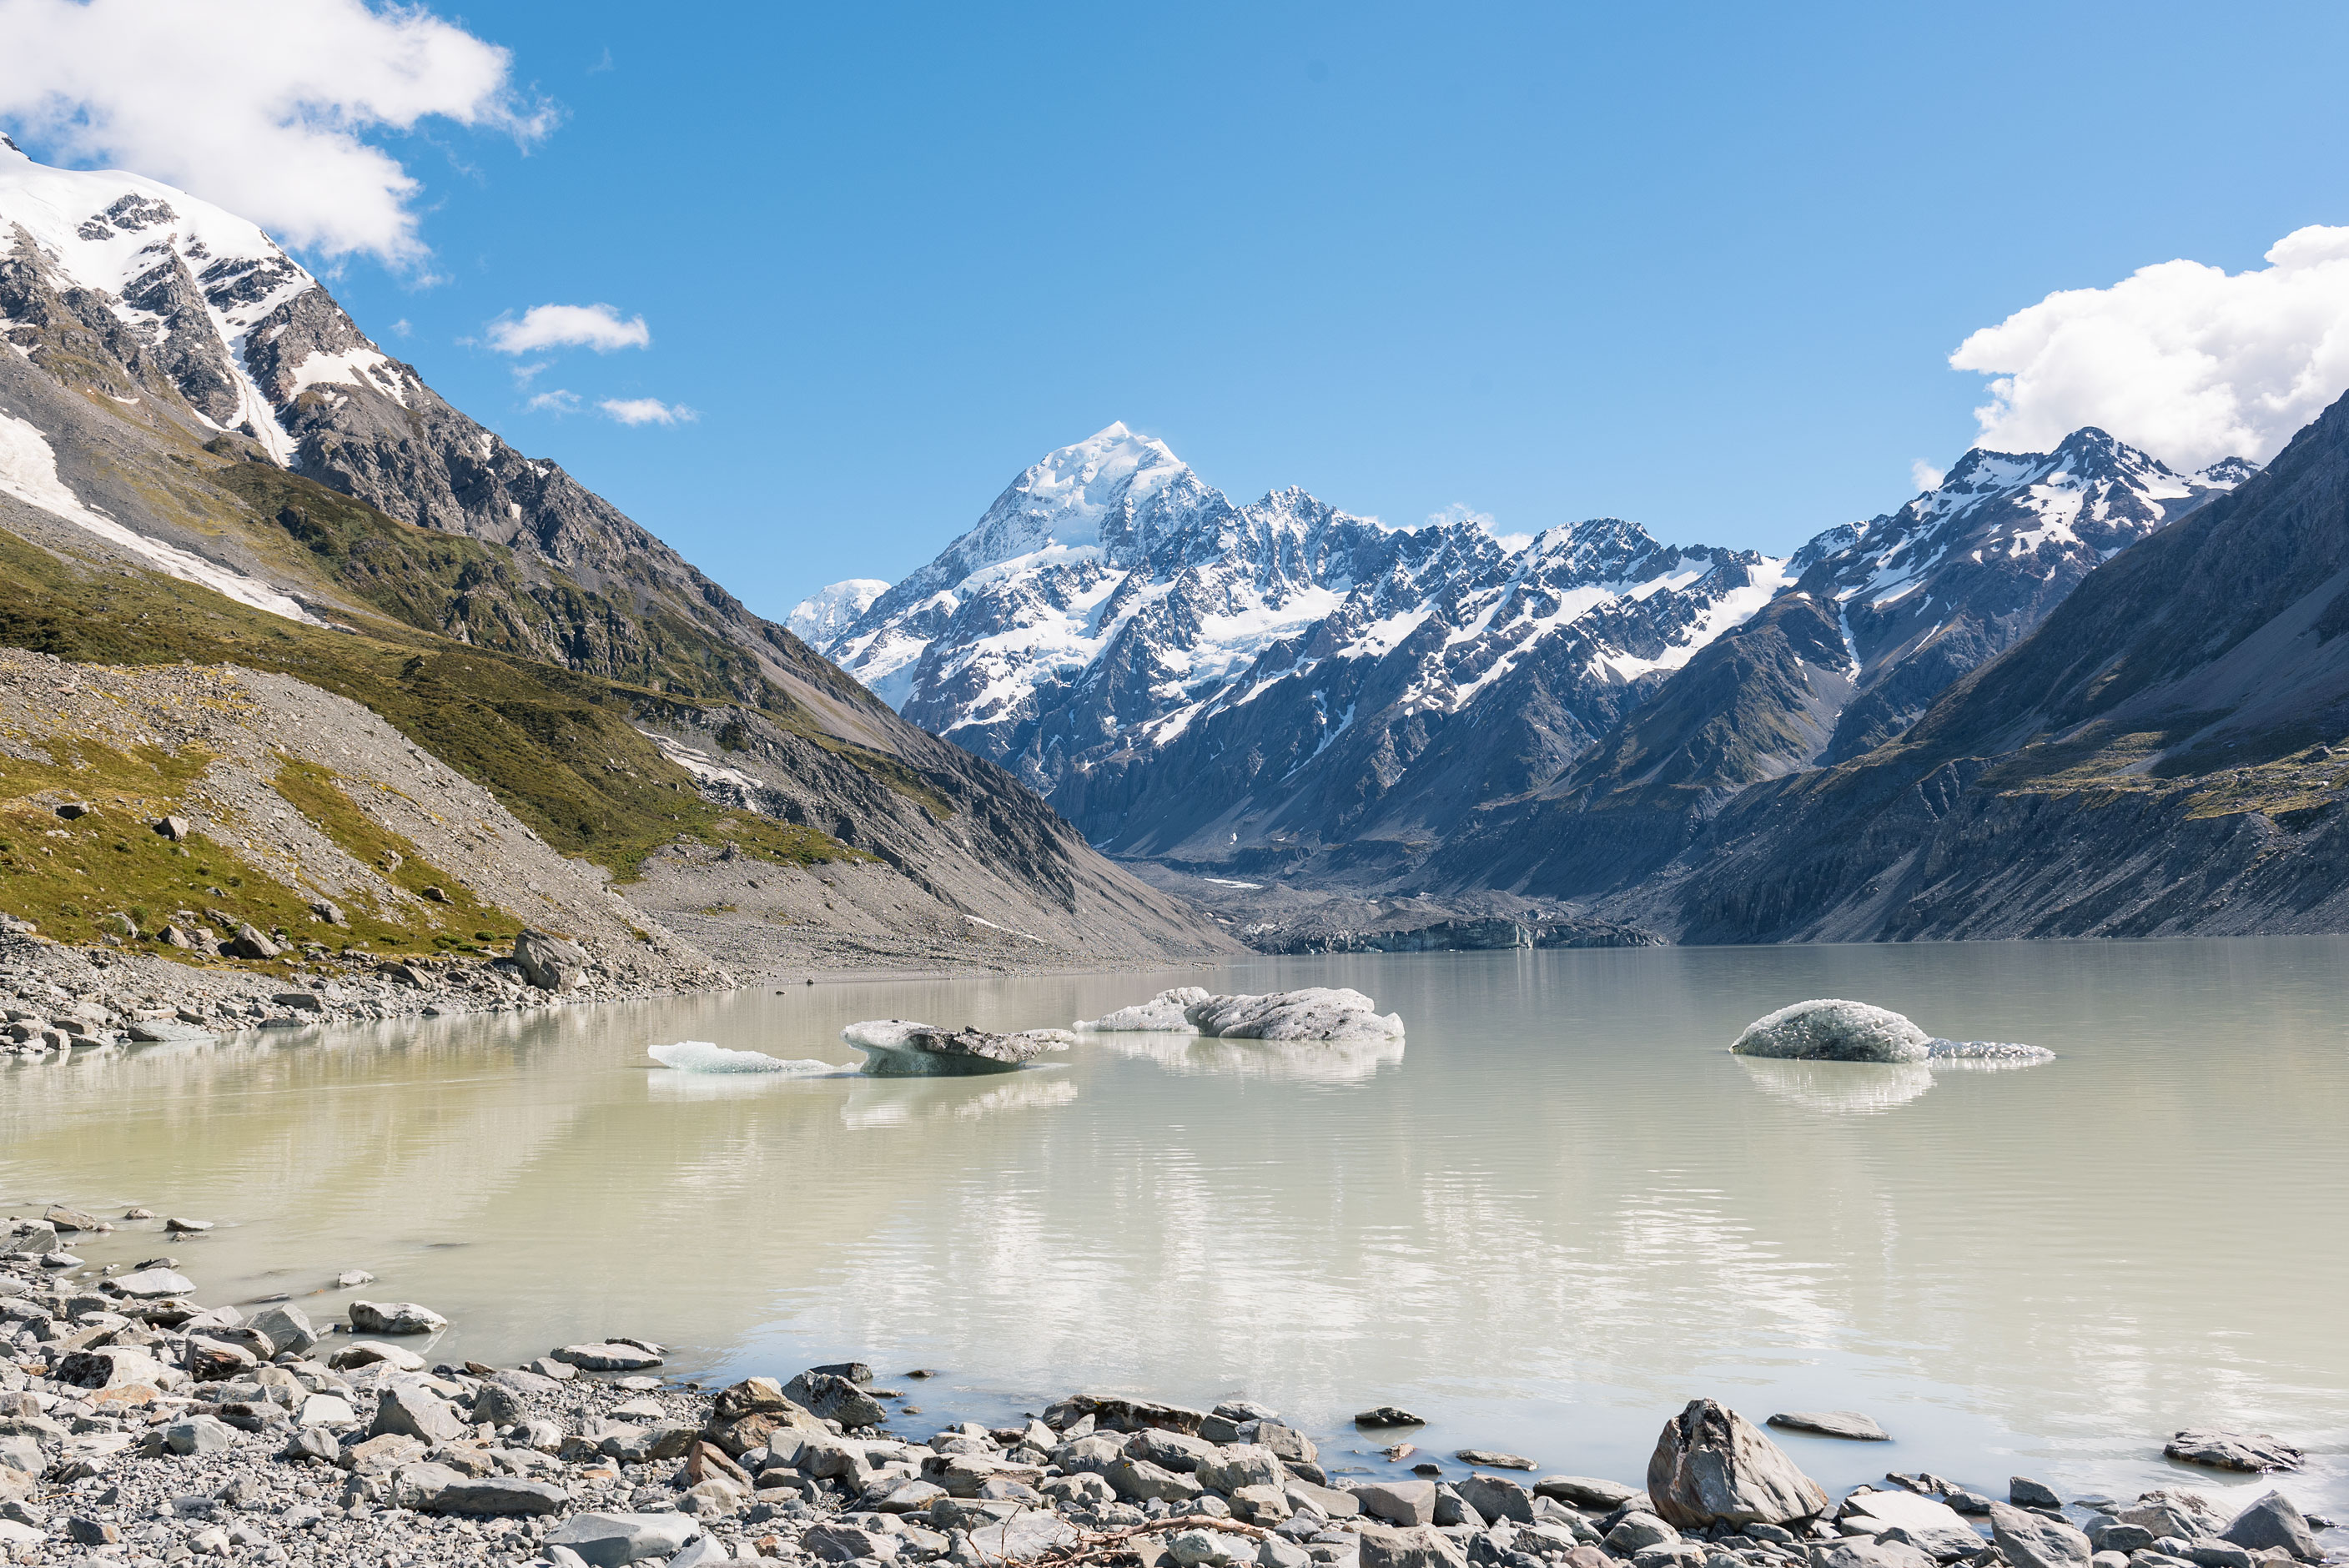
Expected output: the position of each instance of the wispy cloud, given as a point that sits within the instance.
(597, 326)
(648, 411)
(259, 105)
(1925, 476)
(558, 401)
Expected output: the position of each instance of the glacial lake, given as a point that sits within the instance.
(1557, 1212)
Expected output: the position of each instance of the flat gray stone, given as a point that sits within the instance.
(1849, 1424)
(1402, 1503)
(610, 1540)
(500, 1496)
(395, 1317)
(1586, 1492)
(2253, 1451)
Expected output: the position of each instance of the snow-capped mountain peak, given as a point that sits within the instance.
(1110, 609)
(209, 295)
(828, 610)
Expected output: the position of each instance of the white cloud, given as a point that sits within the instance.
(648, 411)
(1461, 511)
(558, 401)
(257, 104)
(595, 327)
(2185, 360)
(1925, 476)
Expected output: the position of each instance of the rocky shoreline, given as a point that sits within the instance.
(140, 1429)
(61, 999)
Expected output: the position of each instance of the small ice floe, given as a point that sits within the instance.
(893, 1047)
(1161, 1015)
(701, 1057)
(1986, 1053)
(1318, 1012)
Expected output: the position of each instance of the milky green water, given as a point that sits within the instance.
(1556, 1213)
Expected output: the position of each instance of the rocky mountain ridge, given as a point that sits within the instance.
(1281, 688)
(185, 406)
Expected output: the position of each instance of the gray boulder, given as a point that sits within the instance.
(152, 1285)
(1637, 1532)
(1411, 1547)
(287, 1327)
(834, 1398)
(410, 1411)
(1832, 1031)
(1586, 1492)
(2273, 1521)
(1024, 1537)
(2253, 1451)
(611, 1540)
(250, 943)
(2028, 1540)
(1404, 1502)
(615, 1356)
(1855, 1552)
(551, 962)
(199, 1435)
(1139, 1480)
(395, 1317)
(1712, 1466)
(1496, 1498)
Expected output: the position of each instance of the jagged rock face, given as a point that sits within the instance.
(1712, 1466)
(2154, 760)
(1169, 667)
(1965, 570)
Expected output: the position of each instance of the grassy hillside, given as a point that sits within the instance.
(557, 747)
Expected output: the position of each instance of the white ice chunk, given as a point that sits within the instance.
(895, 1047)
(1162, 1014)
(1316, 1013)
(701, 1057)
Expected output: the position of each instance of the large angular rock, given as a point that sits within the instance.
(1712, 1466)
(612, 1539)
(1139, 1480)
(2273, 1521)
(371, 1352)
(2028, 1540)
(2233, 1450)
(1832, 1031)
(850, 1543)
(1116, 1415)
(747, 1415)
(199, 1435)
(395, 1317)
(1403, 1503)
(287, 1328)
(551, 962)
(1241, 1464)
(1495, 1498)
(836, 1398)
(410, 1411)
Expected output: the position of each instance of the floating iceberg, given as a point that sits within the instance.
(701, 1057)
(893, 1047)
(1318, 1012)
(1832, 1031)
(1163, 1014)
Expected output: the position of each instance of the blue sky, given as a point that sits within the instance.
(1701, 267)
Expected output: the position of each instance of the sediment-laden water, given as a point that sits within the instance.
(1556, 1212)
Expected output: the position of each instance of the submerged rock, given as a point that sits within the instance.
(1318, 1013)
(1163, 1014)
(1833, 1424)
(895, 1049)
(2233, 1450)
(1712, 1466)
(1832, 1031)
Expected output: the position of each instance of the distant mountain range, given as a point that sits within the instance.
(179, 396)
(1281, 688)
